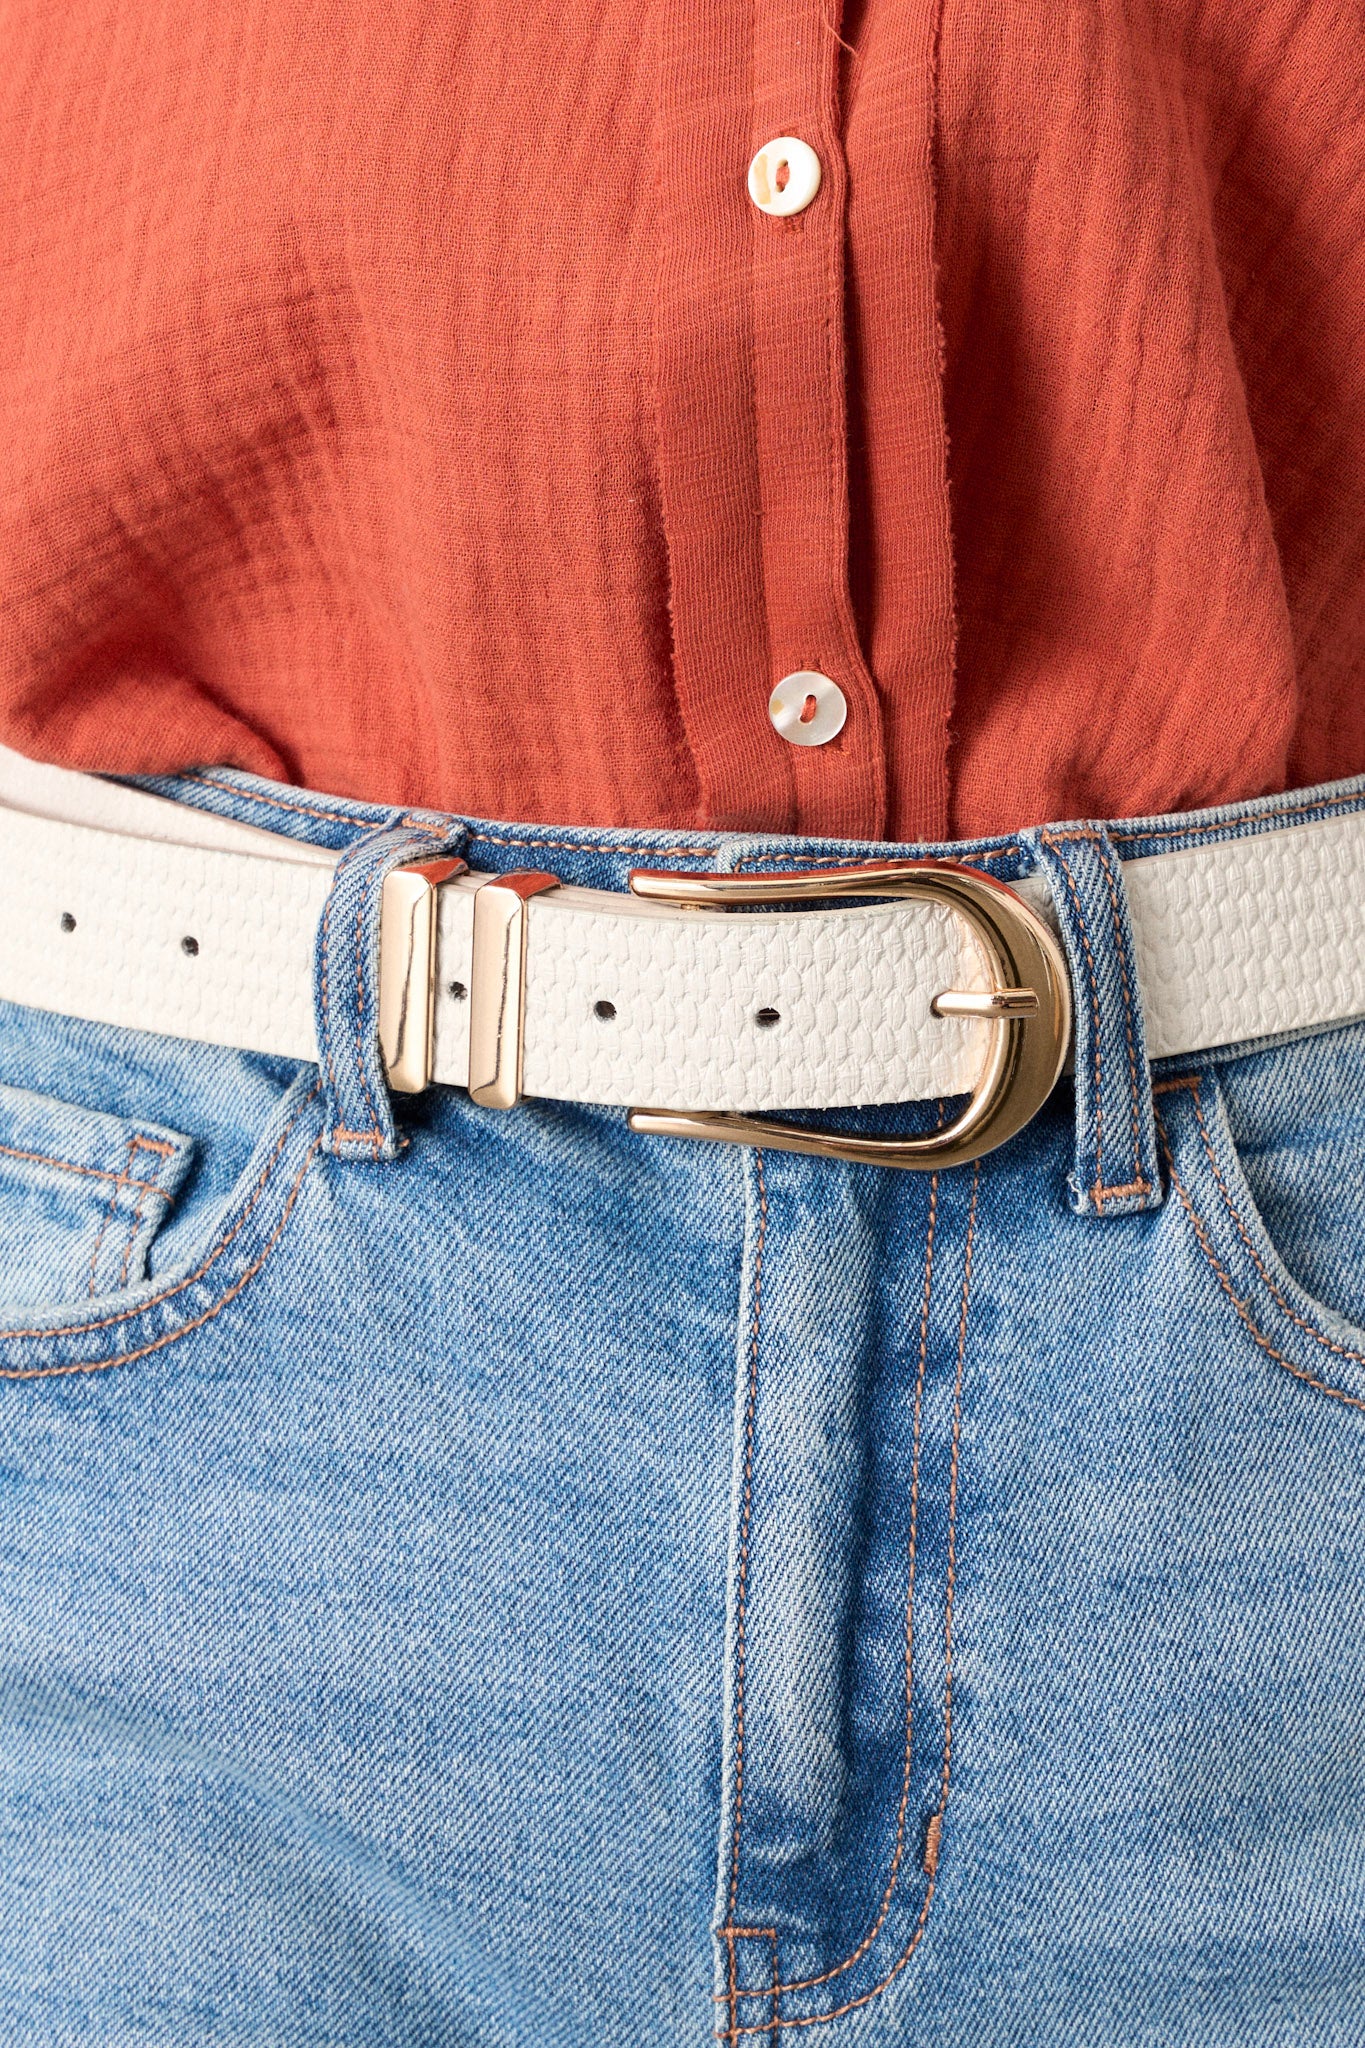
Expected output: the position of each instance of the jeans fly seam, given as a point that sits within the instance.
(190, 1279)
(1300, 1322)
(741, 1594)
(47, 1372)
(735, 2033)
(902, 1815)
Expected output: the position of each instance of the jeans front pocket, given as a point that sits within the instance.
(82, 1196)
(1266, 1159)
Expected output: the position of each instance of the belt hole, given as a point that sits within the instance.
(68, 921)
(767, 1017)
(190, 946)
(458, 990)
(603, 1009)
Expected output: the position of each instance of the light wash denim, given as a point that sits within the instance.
(493, 1581)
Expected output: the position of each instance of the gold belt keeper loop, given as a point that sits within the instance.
(497, 986)
(407, 970)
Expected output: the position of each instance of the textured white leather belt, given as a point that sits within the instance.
(126, 909)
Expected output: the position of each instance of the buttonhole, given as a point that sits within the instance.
(190, 946)
(808, 710)
(767, 1017)
(783, 178)
(603, 1009)
(457, 990)
(68, 921)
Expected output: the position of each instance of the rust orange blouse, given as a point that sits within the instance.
(409, 400)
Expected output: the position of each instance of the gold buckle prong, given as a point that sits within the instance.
(1028, 1006)
(985, 1002)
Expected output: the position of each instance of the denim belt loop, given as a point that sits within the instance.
(1116, 1168)
(360, 1121)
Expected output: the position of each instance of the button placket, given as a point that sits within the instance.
(708, 463)
(750, 394)
(801, 425)
(901, 481)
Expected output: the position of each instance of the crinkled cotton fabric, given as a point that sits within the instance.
(407, 399)
(512, 1583)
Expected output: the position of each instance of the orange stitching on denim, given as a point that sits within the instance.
(365, 816)
(743, 1584)
(809, 1983)
(70, 1166)
(865, 1998)
(1309, 1329)
(730, 1975)
(278, 803)
(730, 1935)
(48, 1372)
(110, 1207)
(566, 846)
(136, 1143)
(1271, 818)
(1257, 1336)
(128, 1314)
(842, 860)
(132, 1240)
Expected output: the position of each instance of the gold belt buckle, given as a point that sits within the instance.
(1028, 1006)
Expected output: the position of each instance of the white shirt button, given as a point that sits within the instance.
(807, 708)
(784, 176)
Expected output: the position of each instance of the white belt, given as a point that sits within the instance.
(125, 909)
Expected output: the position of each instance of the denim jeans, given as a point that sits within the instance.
(493, 1580)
